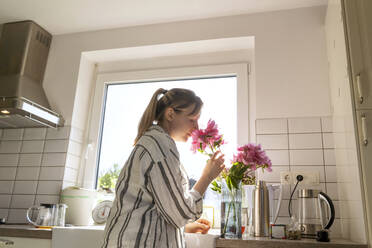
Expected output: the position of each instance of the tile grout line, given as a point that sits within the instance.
(325, 175)
(41, 161)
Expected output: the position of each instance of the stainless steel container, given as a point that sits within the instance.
(261, 214)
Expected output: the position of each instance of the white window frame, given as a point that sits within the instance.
(104, 79)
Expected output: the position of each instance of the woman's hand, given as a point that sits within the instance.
(214, 166)
(200, 226)
(211, 171)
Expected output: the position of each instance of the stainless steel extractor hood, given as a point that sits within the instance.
(24, 48)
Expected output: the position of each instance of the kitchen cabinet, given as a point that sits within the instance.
(27, 242)
(358, 21)
(359, 38)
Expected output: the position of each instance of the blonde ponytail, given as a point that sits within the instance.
(149, 115)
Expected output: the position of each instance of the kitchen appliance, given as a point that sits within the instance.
(80, 204)
(24, 48)
(316, 211)
(261, 213)
(47, 215)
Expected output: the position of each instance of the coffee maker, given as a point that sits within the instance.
(316, 212)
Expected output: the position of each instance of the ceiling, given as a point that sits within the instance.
(71, 16)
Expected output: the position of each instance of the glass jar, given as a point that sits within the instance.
(231, 201)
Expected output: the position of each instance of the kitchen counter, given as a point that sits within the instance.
(194, 240)
(279, 243)
(24, 231)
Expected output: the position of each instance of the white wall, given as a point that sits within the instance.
(351, 210)
(290, 59)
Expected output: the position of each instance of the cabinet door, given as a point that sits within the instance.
(364, 121)
(28, 242)
(358, 26)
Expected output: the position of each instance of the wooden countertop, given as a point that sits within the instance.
(24, 231)
(279, 243)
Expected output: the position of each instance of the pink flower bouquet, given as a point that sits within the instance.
(207, 141)
(244, 163)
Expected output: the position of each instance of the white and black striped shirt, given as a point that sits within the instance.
(152, 202)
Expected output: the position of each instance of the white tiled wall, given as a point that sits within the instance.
(300, 144)
(34, 164)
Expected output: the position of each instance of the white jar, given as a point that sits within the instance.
(80, 203)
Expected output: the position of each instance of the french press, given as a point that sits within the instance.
(316, 211)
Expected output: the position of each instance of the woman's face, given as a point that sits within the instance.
(182, 124)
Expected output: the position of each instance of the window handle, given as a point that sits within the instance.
(89, 148)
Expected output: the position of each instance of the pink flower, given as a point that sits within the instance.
(253, 156)
(206, 138)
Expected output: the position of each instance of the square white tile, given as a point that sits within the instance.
(22, 201)
(331, 173)
(305, 141)
(273, 176)
(75, 148)
(13, 134)
(327, 124)
(49, 187)
(332, 190)
(51, 173)
(9, 159)
(7, 173)
(55, 146)
(5, 201)
(275, 141)
(54, 159)
(304, 125)
(310, 168)
(25, 187)
(32, 146)
(76, 134)
(6, 187)
(306, 157)
(51, 199)
(17, 216)
(28, 173)
(271, 126)
(70, 175)
(278, 157)
(72, 161)
(59, 133)
(30, 159)
(329, 157)
(34, 134)
(286, 191)
(328, 141)
(10, 146)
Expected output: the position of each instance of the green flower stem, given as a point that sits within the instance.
(232, 202)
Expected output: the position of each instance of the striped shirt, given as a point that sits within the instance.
(152, 202)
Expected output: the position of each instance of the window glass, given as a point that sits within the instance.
(125, 103)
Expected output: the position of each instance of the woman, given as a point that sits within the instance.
(153, 204)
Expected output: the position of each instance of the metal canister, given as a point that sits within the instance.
(261, 213)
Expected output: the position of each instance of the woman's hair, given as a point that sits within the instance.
(176, 98)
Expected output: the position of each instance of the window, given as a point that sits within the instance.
(122, 98)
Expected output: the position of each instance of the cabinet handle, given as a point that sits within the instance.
(359, 87)
(364, 129)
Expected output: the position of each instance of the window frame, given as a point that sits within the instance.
(95, 126)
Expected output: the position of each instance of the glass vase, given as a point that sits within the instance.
(231, 201)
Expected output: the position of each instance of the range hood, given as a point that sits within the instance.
(24, 48)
